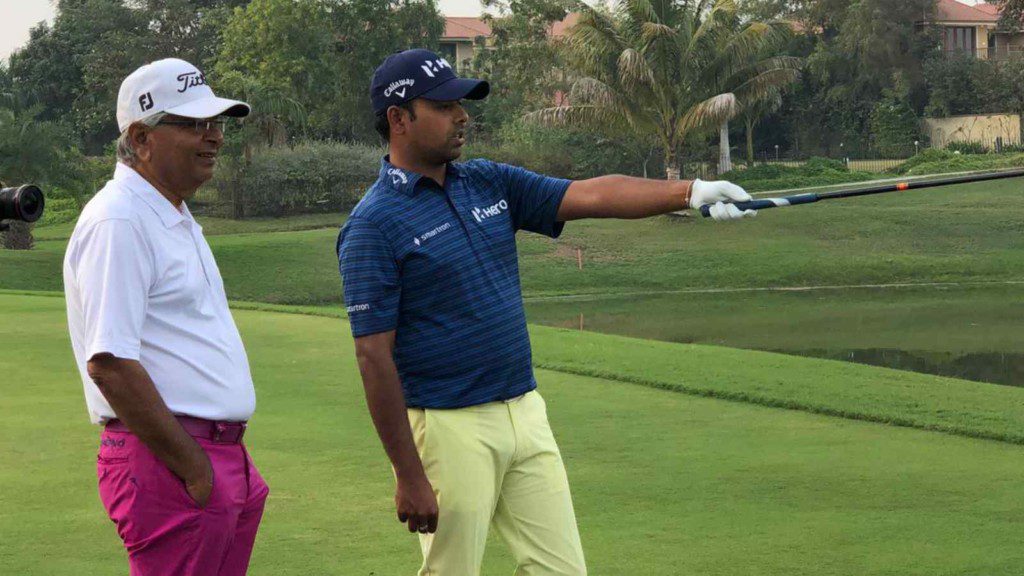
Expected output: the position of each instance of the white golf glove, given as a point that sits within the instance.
(714, 193)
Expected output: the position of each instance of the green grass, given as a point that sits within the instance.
(219, 226)
(718, 488)
(969, 232)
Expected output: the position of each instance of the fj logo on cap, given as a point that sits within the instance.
(146, 101)
(431, 66)
(191, 80)
(393, 88)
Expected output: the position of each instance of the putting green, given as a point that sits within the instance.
(664, 483)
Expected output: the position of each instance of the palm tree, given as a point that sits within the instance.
(272, 114)
(666, 70)
(753, 113)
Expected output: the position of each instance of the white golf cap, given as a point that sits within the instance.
(171, 86)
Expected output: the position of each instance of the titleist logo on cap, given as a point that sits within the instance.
(191, 80)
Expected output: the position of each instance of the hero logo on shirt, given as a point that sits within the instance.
(427, 236)
(393, 88)
(482, 214)
(398, 176)
(431, 66)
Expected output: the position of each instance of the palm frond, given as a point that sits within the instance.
(738, 50)
(708, 113)
(584, 116)
(764, 84)
(634, 72)
(743, 75)
(640, 11)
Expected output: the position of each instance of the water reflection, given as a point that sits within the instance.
(970, 332)
(994, 367)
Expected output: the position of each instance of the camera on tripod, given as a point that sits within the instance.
(23, 203)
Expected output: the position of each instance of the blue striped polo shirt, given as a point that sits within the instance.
(438, 265)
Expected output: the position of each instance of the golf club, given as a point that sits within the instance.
(764, 203)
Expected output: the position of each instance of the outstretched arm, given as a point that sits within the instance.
(628, 197)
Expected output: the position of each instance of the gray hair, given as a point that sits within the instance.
(125, 149)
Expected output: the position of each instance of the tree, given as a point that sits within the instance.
(323, 53)
(285, 45)
(520, 62)
(1011, 15)
(75, 67)
(769, 102)
(51, 68)
(854, 49)
(366, 32)
(186, 29)
(894, 125)
(962, 84)
(272, 114)
(1013, 79)
(667, 70)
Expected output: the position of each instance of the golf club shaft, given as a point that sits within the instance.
(764, 203)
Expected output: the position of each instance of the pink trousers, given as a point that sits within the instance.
(163, 529)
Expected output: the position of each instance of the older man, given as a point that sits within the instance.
(161, 360)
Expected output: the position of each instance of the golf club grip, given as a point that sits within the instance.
(765, 203)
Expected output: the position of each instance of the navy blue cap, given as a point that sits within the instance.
(420, 73)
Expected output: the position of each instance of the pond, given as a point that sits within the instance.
(964, 331)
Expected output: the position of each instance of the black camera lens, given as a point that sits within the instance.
(23, 203)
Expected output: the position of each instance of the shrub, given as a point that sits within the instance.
(952, 162)
(814, 172)
(965, 147)
(59, 210)
(894, 126)
(819, 165)
(926, 156)
(306, 177)
(565, 152)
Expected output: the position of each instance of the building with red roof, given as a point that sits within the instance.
(974, 29)
(462, 35)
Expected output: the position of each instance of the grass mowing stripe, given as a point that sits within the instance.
(898, 398)
(787, 404)
(43, 293)
(823, 402)
(826, 387)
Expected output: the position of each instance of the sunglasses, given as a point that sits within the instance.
(199, 126)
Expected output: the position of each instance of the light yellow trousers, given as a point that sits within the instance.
(497, 463)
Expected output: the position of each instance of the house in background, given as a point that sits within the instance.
(462, 35)
(974, 29)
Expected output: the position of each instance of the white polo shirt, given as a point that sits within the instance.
(141, 284)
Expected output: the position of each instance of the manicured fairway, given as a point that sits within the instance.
(960, 233)
(665, 483)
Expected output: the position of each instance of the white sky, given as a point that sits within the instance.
(17, 17)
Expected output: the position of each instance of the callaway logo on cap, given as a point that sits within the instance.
(420, 73)
(171, 86)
